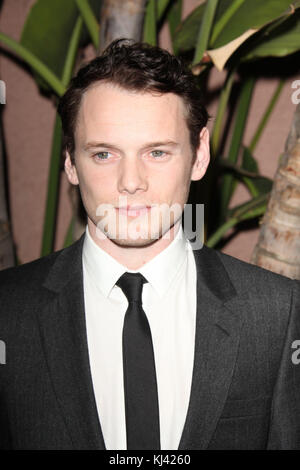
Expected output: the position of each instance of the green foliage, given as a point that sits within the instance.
(281, 41)
(90, 20)
(232, 19)
(227, 186)
(150, 33)
(48, 30)
(174, 19)
(251, 14)
(205, 30)
(257, 185)
(53, 190)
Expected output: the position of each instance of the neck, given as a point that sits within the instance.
(134, 257)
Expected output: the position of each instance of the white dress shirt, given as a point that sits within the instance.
(169, 301)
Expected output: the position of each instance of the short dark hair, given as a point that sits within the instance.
(140, 67)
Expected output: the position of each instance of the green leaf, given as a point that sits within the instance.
(252, 14)
(248, 161)
(265, 118)
(248, 210)
(220, 232)
(232, 19)
(187, 32)
(205, 30)
(89, 20)
(150, 33)
(222, 106)
(48, 29)
(38, 66)
(256, 186)
(225, 14)
(71, 55)
(162, 5)
(281, 41)
(174, 18)
(227, 186)
(69, 235)
(52, 193)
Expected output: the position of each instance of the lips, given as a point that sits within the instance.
(133, 211)
(134, 207)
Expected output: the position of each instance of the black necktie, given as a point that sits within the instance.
(140, 386)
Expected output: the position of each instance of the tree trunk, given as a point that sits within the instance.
(6, 242)
(118, 19)
(121, 19)
(278, 247)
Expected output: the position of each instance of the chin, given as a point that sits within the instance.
(130, 243)
(138, 238)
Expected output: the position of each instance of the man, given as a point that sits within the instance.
(130, 338)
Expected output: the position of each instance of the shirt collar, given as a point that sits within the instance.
(159, 271)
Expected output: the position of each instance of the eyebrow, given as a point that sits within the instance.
(107, 145)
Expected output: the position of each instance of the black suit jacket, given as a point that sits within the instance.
(245, 390)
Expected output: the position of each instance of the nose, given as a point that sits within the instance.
(132, 176)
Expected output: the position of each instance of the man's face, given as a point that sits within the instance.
(133, 149)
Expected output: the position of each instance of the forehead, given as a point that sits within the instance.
(110, 111)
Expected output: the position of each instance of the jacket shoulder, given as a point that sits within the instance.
(27, 273)
(251, 278)
(24, 288)
(30, 276)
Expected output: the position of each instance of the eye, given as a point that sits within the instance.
(101, 155)
(158, 153)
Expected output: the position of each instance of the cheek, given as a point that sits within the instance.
(92, 183)
(177, 180)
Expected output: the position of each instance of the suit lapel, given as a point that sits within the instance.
(64, 339)
(218, 325)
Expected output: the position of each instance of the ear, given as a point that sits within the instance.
(202, 158)
(70, 170)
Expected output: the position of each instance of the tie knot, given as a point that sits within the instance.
(132, 286)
